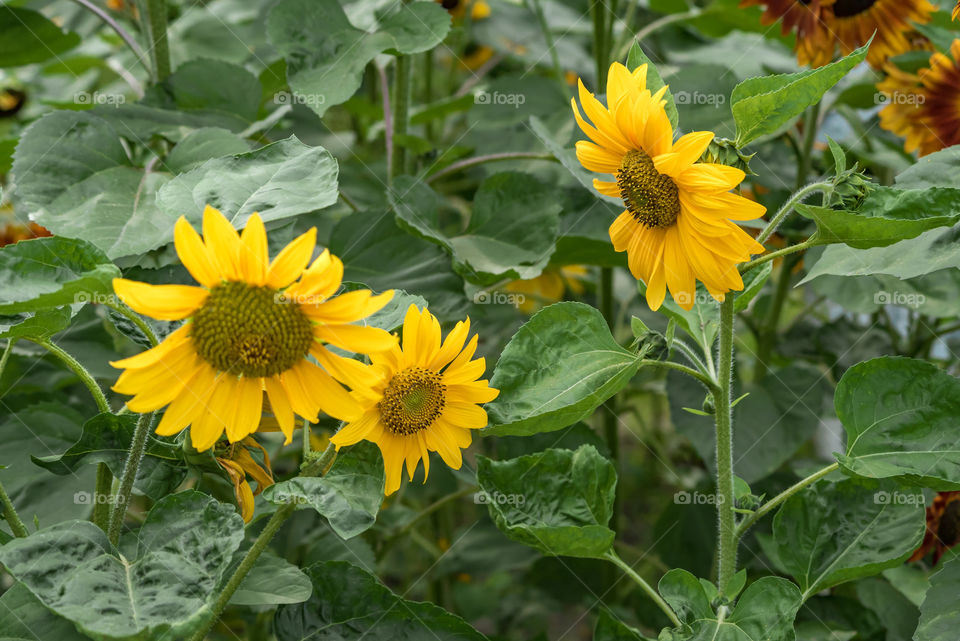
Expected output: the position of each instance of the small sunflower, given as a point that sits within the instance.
(677, 225)
(238, 462)
(823, 26)
(943, 527)
(250, 327)
(426, 398)
(549, 287)
(924, 107)
(479, 9)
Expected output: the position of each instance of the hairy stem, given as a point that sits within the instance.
(124, 310)
(85, 377)
(767, 507)
(788, 207)
(610, 431)
(130, 468)
(620, 563)
(727, 541)
(11, 516)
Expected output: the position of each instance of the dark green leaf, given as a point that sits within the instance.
(184, 548)
(348, 603)
(271, 581)
(52, 272)
(35, 326)
(900, 416)
(834, 532)
(556, 370)
(349, 496)
(27, 37)
(939, 616)
(610, 628)
(763, 106)
(24, 618)
(512, 230)
(557, 501)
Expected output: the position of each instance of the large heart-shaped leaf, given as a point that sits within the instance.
(326, 55)
(556, 370)
(349, 495)
(557, 501)
(834, 532)
(348, 603)
(185, 546)
(512, 230)
(902, 418)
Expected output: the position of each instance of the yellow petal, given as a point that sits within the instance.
(222, 242)
(466, 415)
(194, 254)
(349, 307)
(356, 431)
(155, 354)
(280, 405)
(248, 399)
(163, 302)
(451, 346)
(327, 393)
(354, 338)
(190, 403)
(292, 260)
(346, 370)
(253, 256)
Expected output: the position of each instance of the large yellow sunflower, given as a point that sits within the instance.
(677, 225)
(250, 327)
(924, 108)
(823, 26)
(426, 398)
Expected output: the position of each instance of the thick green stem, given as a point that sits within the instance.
(130, 468)
(788, 207)
(401, 113)
(316, 467)
(548, 38)
(11, 516)
(727, 540)
(764, 509)
(601, 56)
(101, 497)
(809, 136)
(620, 563)
(153, 24)
(81, 372)
(136, 319)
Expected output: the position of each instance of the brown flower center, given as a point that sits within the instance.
(849, 8)
(651, 197)
(412, 401)
(251, 331)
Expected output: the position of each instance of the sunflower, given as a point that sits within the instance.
(250, 327)
(238, 462)
(549, 287)
(955, 14)
(458, 8)
(943, 526)
(426, 398)
(677, 225)
(825, 25)
(924, 107)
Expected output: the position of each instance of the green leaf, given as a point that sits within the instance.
(886, 216)
(348, 603)
(556, 370)
(557, 501)
(939, 616)
(568, 158)
(326, 54)
(23, 617)
(27, 37)
(271, 581)
(280, 180)
(610, 628)
(635, 58)
(898, 616)
(37, 326)
(900, 416)
(349, 496)
(765, 610)
(185, 546)
(834, 532)
(202, 145)
(52, 272)
(208, 85)
(512, 230)
(106, 438)
(763, 106)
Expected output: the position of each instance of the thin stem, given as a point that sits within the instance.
(316, 467)
(122, 500)
(711, 384)
(101, 497)
(767, 507)
(401, 111)
(656, 25)
(306, 440)
(788, 207)
(809, 136)
(81, 372)
(620, 563)
(600, 55)
(11, 516)
(479, 160)
(610, 431)
(433, 507)
(6, 355)
(807, 244)
(153, 22)
(387, 119)
(727, 541)
(124, 310)
(113, 24)
(695, 359)
(548, 38)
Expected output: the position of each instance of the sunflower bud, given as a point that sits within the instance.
(723, 151)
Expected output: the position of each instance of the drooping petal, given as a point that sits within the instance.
(163, 302)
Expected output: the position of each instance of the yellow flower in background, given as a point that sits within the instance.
(549, 287)
(238, 462)
(956, 11)
(924, 107)
(824, 26)
(677, 227)
(250, 327)
(426, 398)
(458, 8)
